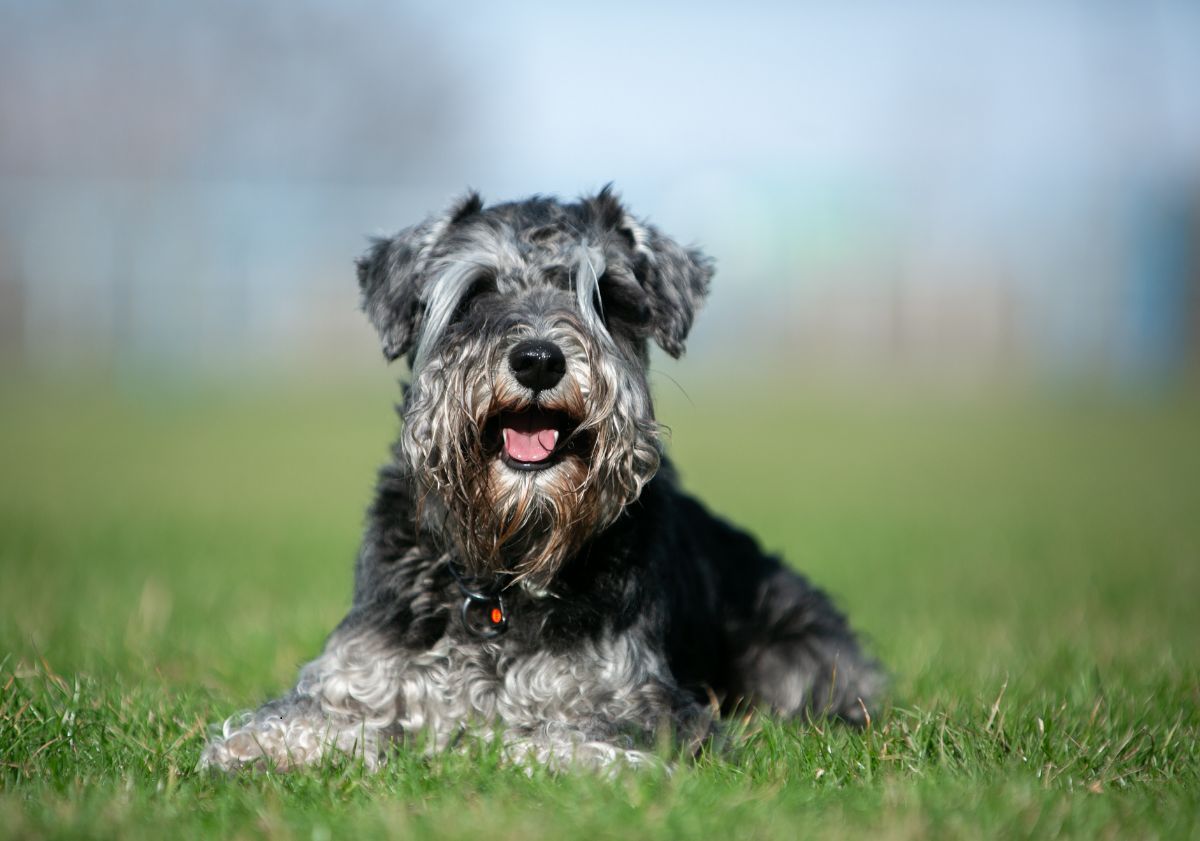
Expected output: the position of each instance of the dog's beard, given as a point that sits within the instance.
(528, 522)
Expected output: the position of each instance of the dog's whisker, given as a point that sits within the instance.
(658, 372)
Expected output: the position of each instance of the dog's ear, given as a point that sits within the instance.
(675, 279)
(392, 276)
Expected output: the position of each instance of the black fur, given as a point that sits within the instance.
(730, 619)
(630, 607)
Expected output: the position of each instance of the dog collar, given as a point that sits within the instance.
(482, 610)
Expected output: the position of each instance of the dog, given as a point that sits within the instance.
(531, 570)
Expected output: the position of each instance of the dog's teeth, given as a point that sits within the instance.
(504, 434)
(554, 432)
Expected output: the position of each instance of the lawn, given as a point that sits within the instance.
(1028, 570)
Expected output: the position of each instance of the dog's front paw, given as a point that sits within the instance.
(277, 742)
(567, 753)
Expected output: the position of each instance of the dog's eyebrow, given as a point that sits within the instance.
(590, 266)
(445, 293)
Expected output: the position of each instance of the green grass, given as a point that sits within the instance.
(1029, 571)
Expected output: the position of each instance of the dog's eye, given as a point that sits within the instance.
(480, 286)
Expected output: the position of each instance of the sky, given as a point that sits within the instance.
(843, 161)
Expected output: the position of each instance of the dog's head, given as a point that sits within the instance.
(528, 422)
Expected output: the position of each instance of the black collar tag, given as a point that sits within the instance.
(482, 610)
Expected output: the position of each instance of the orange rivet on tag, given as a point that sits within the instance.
(497, 616)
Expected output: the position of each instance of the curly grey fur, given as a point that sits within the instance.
(631, 606)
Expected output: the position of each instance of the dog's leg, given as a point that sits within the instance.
(346, 700)
(605, 704)
(682, 728)
(795, 653)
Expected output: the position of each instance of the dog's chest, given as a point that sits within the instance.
(455, 684)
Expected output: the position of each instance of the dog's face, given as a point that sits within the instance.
(528, 422)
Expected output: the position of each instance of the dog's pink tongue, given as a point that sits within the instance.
(529, 436)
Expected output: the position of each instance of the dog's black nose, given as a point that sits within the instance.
(537, 364)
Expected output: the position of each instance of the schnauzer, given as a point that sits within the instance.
(531, 570)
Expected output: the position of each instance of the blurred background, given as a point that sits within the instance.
(950, 367)
(958, 193)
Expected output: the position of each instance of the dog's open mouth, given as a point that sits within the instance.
(532, 439)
